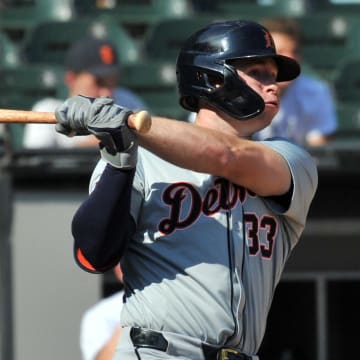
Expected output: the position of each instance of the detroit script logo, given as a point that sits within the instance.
(223, 195)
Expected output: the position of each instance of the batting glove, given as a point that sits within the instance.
(81, 115)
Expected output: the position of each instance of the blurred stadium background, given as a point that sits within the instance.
(43, 294)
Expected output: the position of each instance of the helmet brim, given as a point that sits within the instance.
(288, 68)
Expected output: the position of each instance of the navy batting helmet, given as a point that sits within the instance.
(207, 55)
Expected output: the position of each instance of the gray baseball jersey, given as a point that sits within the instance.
(207, 254)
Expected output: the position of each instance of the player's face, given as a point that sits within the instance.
(261, 76)
(89, 85)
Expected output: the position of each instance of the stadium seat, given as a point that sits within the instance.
(165, 38)
(17, 17)
(22, 86)
(346, 79)
(48, 42)
(130, 10)
(9, 55)
(327, 39)
(134, 16)
(346, 84)
(348, 119)
(336, 7)
(256, 9)
(155, 82)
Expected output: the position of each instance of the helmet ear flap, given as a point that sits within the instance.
(227, 92)
(212, 81)
(235, 97)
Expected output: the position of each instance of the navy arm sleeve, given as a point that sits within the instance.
(102, 226)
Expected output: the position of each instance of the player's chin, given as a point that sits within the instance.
(271, 109)
(263, 121)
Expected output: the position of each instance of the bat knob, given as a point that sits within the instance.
(141, 121)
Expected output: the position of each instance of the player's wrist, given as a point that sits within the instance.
(124, 160)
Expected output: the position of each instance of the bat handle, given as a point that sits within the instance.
(141, 121)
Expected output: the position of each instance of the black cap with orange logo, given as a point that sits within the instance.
(97, 56)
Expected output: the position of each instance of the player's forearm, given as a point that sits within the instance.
(201, 149)
(186, 145)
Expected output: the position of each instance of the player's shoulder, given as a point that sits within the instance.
(290, 150)
(299, 159)
(279, 142)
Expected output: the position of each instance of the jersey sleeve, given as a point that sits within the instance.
(304, 177)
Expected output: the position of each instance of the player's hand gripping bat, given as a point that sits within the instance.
(141, 121)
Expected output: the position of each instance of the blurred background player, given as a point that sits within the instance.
(100, 325)
(92, 69)
(307, 113)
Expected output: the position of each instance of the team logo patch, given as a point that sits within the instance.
(107, 54)
(269, 40)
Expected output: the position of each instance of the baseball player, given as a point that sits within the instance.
(202, 217)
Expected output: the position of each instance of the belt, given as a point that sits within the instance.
(147, 338)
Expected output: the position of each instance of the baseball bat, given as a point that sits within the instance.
(141, 121)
